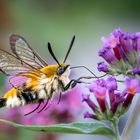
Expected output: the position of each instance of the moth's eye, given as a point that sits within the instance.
(60, 70)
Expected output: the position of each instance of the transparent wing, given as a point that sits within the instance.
(10, 65)
(23, 51)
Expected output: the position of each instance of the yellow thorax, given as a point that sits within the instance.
(51, 70)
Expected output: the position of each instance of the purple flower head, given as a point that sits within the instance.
(100, 92)
(111, 84)
(121, 51)
(89, 115)
(132, 85)
(107, 54)
(98, 87)
(117, 32)
(136, 70)
(102, 67)
(86, 98)
(128, 42)
(110, 41)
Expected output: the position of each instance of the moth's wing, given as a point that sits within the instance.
(10, 65)
(25, 52)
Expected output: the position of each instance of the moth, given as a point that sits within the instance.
(43, 82)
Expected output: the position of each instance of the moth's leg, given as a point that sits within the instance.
(47, 102)
(60, 96)
(71, 84)
(39, 103)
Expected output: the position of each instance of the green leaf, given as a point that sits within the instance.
(75, 128)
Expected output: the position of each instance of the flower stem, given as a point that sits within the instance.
(116, 129)
(130, 124)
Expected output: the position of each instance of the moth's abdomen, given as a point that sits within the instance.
(24, 94)
(11, 99)
(28, 96)
(16, 98)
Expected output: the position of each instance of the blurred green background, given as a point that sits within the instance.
(56, 21)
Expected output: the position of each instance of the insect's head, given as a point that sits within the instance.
(62, 67)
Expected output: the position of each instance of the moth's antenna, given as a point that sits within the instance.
(69, 49)
(85, 68)
(52, 54)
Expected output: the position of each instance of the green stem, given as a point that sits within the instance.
(116, 129)
(130, 124)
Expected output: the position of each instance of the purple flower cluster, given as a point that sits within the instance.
(121, 52)
(108, 102)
